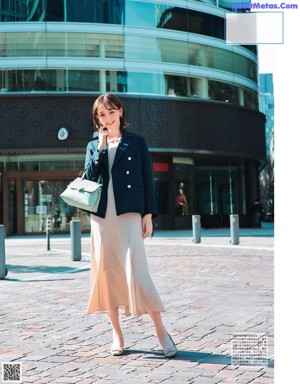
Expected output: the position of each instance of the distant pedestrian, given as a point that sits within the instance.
(120, 277)
(256, 213)
(57, 219)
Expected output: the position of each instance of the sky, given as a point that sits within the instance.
(266, 58)
(282, 60)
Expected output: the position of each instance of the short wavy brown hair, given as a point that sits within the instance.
(110, 102)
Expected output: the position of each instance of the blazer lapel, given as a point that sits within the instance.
(124, 144)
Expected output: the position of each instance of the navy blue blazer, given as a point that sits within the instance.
(131, 175)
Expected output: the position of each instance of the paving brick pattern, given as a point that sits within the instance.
(211, 290)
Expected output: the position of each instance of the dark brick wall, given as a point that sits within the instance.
(31, 123)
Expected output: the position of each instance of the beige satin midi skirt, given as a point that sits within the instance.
(120, 274)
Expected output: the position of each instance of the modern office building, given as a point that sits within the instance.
(193, 97)
(266, 106)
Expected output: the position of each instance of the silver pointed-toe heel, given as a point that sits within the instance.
(116, 351)
(170, 352)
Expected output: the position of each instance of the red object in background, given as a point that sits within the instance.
(161, 167)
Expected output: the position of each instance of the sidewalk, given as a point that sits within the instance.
(212, 291)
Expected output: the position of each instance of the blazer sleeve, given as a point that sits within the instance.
(150, 201)
(93, 161)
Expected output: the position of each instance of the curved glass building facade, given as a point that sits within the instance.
(170, 64)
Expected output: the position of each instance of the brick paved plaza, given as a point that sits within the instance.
(212, 291)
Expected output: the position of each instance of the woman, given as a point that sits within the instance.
(120, 276)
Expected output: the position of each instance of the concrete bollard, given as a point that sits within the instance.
(3, 269)
(196, 221)
(48, 231)
(75, 240)
(234, 229)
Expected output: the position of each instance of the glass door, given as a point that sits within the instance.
(42, 201)
(12, 207)
(162, 192)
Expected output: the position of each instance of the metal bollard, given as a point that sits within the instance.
(48, 231)
(75, 240)
(196, 228)
(3, 269)
(234, 229)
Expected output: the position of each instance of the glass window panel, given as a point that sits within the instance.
(83, 80)
(176, 85)
(145, 83)
(76, 44)
(95, 11)
(12, 166)
(222, 59)
(122, 82)
(61, 44)
(136, 48)
(42, 201)
(142, 48)
(20, 80)
(140, 14)
(201, 55)
(3, 45)
(53, 10)
(12, 10)
(29, 166)
(114, 47)
(173, 51)
(3, 81)
(12, 206)
(44, 80)
(205, 24)
(130, 12)
(223, 92)
(56, 44)
(60, 80)
(251, 99)
(60, 165)
(162, 196)
(101, 45)
(31, 80)
(26, 44)
(173, 18)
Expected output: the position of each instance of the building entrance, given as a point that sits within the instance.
(30, 198)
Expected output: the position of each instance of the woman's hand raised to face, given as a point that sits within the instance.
(103, 132)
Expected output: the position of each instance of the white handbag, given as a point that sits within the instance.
(84, 194)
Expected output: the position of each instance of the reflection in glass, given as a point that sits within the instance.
(223, 92)
(176, 85)
(40, 80)
(29, 80)
(83, 80)
(121, 12)
(41, 199)
(90, 11)
(140, 14)
(130, 47)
